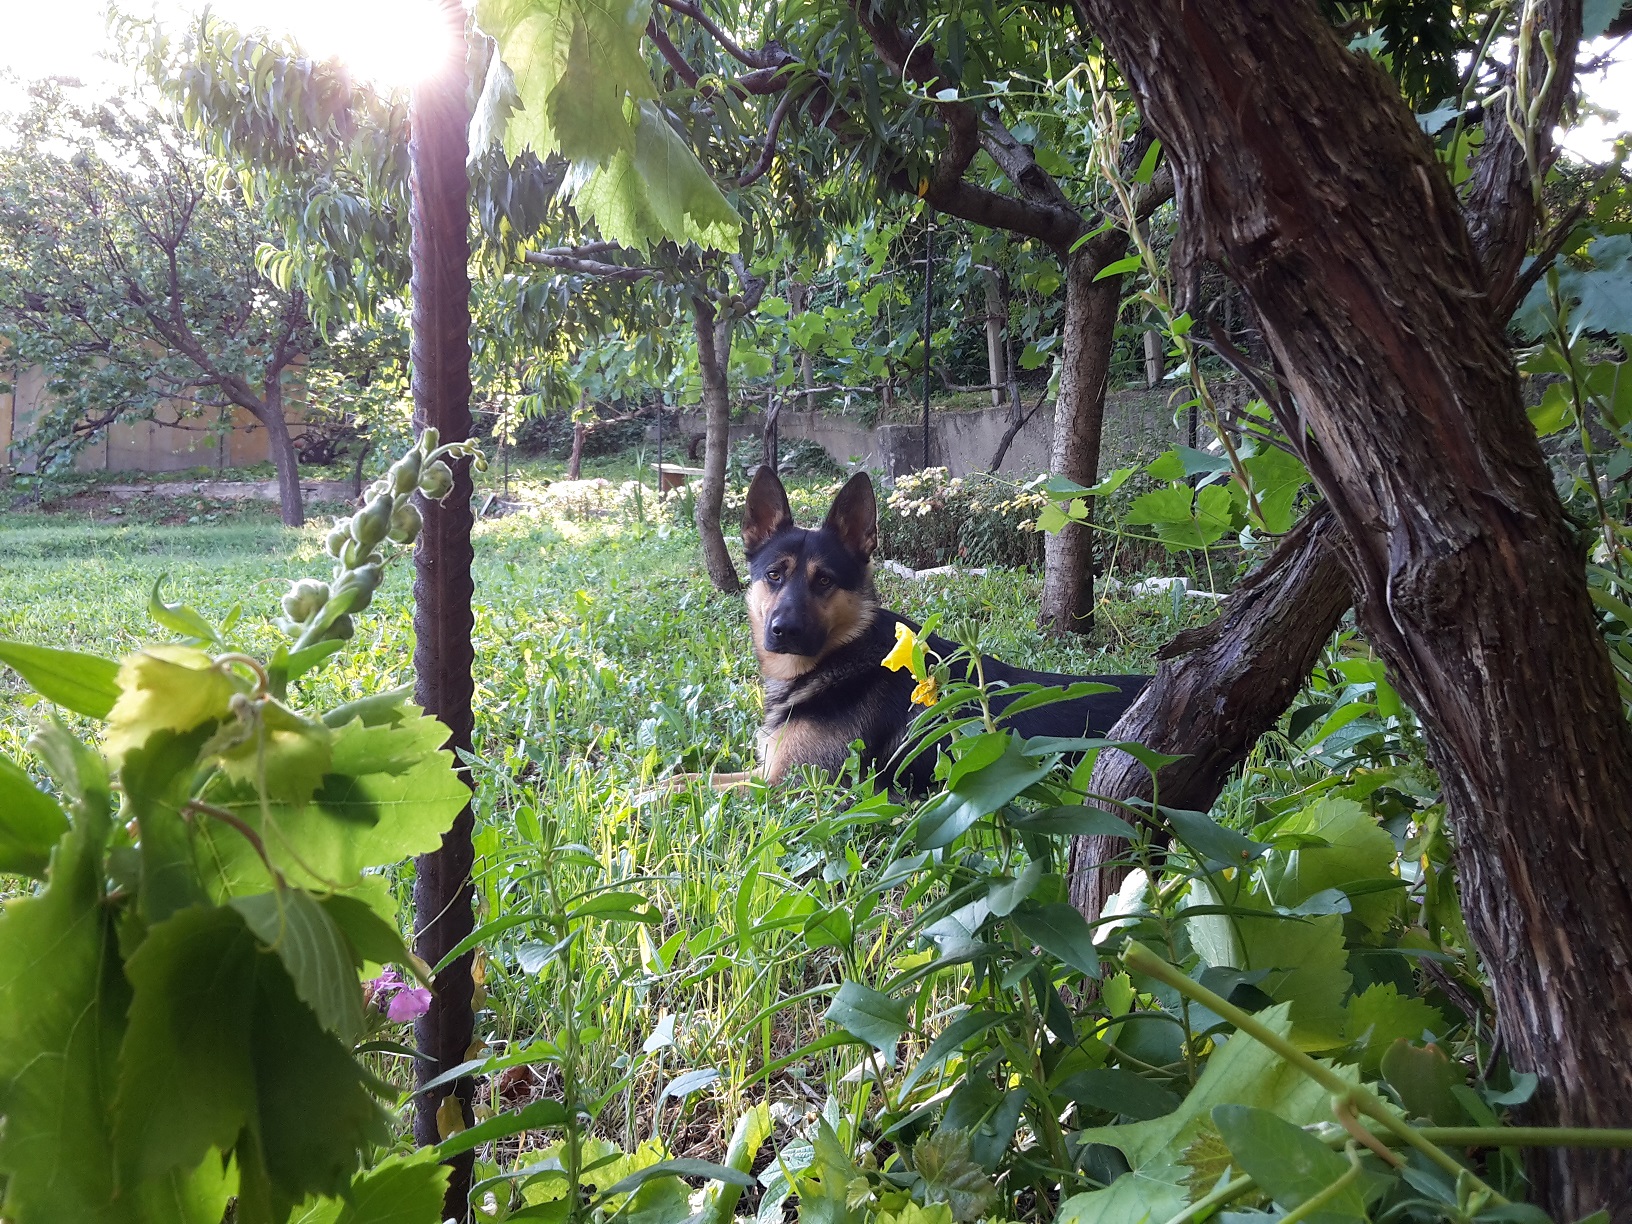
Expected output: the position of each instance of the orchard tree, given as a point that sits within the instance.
(1386, 320)
(133, 280)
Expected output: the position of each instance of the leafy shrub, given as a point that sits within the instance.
(933, 518)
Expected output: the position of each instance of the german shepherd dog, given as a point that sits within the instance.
(821, 638)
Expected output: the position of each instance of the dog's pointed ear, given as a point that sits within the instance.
(766, 512)
(854, 515)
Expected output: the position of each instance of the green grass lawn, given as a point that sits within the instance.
(604, 658)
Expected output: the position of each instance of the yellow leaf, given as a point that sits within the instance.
(167, 688)
(450, 1117)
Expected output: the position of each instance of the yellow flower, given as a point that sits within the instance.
(927, 692)
(900, 655)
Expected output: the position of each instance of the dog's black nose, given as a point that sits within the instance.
(782, 629)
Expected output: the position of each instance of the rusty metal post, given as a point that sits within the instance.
(443, 656)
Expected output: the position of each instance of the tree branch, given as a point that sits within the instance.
(589, 267)
(768, 153)
(754, 59)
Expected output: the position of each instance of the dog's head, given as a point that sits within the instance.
(810, 592)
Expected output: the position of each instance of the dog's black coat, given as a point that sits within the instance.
(821, 638)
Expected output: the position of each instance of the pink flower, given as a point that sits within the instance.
(408, 1005)
(399, 1002)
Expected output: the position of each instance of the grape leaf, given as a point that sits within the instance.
(1380, 1014)
(402, 1190)
(221, 1052)
(167, 688)
(351, 823)
(30, 822)
(1243, 1073)
(186, 1084)
(316, 955)
(62, 1008)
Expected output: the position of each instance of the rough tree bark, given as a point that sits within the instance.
(1079, 416)
(284, 460)
(1219, 688)
(443, 658)
(1301, 173)
(713, 352)
(997, 326)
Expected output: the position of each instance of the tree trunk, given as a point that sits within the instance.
(575, 461)
(771, 435)
(1303, 175)
(799, 302)
(1222, 686)
(1154, 358)
(997, 321)
(713, 353)
(443, 892)
(1079, 418)
(284, 460)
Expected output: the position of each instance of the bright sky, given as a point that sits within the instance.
(392, 42)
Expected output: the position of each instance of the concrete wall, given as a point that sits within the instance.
(1137, 423)
(173, 442)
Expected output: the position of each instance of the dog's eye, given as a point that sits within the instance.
(823, 582)
(773, 576)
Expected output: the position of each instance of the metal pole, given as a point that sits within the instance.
(439, 253)
(929, 302)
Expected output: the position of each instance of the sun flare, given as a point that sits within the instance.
(387, 42)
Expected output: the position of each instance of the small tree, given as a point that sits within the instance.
(134, 282)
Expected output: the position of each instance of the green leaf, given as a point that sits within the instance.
(179, 618)
(371, 937)
(404, 1189)
(1277, 479)
(747, 1137)
(186, 1082)
(1130, 263)
(157, 779)
(1169, 467)
(1062, 932)
(572, 63)
(1357, 849)
(319, 960)
(31, 823)
(951, 1178)
(681, 1167)
(197, 1197)
(1147, 164)
(658, 190)
(1305, 957)
(1073, 821)
(1212, 840)
(865, 1013)
(1171, 505)
(540, 1115)
(951, 1039)
(1287, 1162)
(221, 1052)
(1243, 1073)
(1423, 1078)
(62, 1009)
(1119, 1091)
(167, 688)
(82, 683)
(352, 822)
(978, 794)
(1379, 1015)
(1596, 16)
